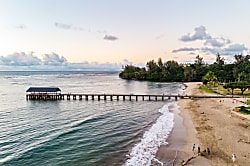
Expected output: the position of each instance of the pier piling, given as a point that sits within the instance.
(112, 97)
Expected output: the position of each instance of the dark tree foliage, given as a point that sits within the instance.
(230, 86)
(190, 73)
(132, 72)
(241, 68)
(226, 75)
(219, 61)
(172, 71)
(242, 85)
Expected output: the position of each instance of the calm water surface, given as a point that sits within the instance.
(81, 132)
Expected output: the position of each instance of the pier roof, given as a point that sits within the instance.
(44, 89)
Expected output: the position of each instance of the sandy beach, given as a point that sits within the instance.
(208, 123)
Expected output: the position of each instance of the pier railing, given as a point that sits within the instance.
(111, 97)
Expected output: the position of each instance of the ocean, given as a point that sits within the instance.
(75, 132)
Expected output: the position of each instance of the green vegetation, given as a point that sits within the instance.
(248, 102)
(206, 89)
(242, 85)
(225, 79)
(243, 110)
(213, 74)
(169, 71)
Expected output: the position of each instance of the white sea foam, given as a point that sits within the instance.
(144, 152)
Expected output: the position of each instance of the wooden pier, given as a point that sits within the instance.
(54, 93)
(117, 97)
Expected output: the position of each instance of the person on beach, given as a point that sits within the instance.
(199, 150)
(193, 147)
(233, 157)
(208, 151)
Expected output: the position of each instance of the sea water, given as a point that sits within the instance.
(74, 132)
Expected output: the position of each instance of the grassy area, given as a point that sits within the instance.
(221, 90)
(236, 91)
(243, 110)
(206, 89)
(224, 91)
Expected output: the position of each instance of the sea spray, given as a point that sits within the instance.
(144, 152)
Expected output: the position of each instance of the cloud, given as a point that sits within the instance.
(20, 59)
(192, 53)
(217, 42)
(211, 45)
(184, 49)
(23, 59)
(94, 66)
(210, 50)
(54, 59)
(70, 27)
(102, 31)
(78, 28)
(126, 61)
(63, 26)
(230, 50)
(110, 37)
(21, 26)
(236, 48)
(199, 34)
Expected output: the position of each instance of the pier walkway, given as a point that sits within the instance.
(111, 97)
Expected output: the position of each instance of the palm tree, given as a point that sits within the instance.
(210, 78)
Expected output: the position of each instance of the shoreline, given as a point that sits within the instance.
(182, 136)
(207, 123)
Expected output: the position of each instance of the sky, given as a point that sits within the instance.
(98, 34)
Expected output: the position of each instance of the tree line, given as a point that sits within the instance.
(234, 75)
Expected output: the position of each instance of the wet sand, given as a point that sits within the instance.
(208, 123)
